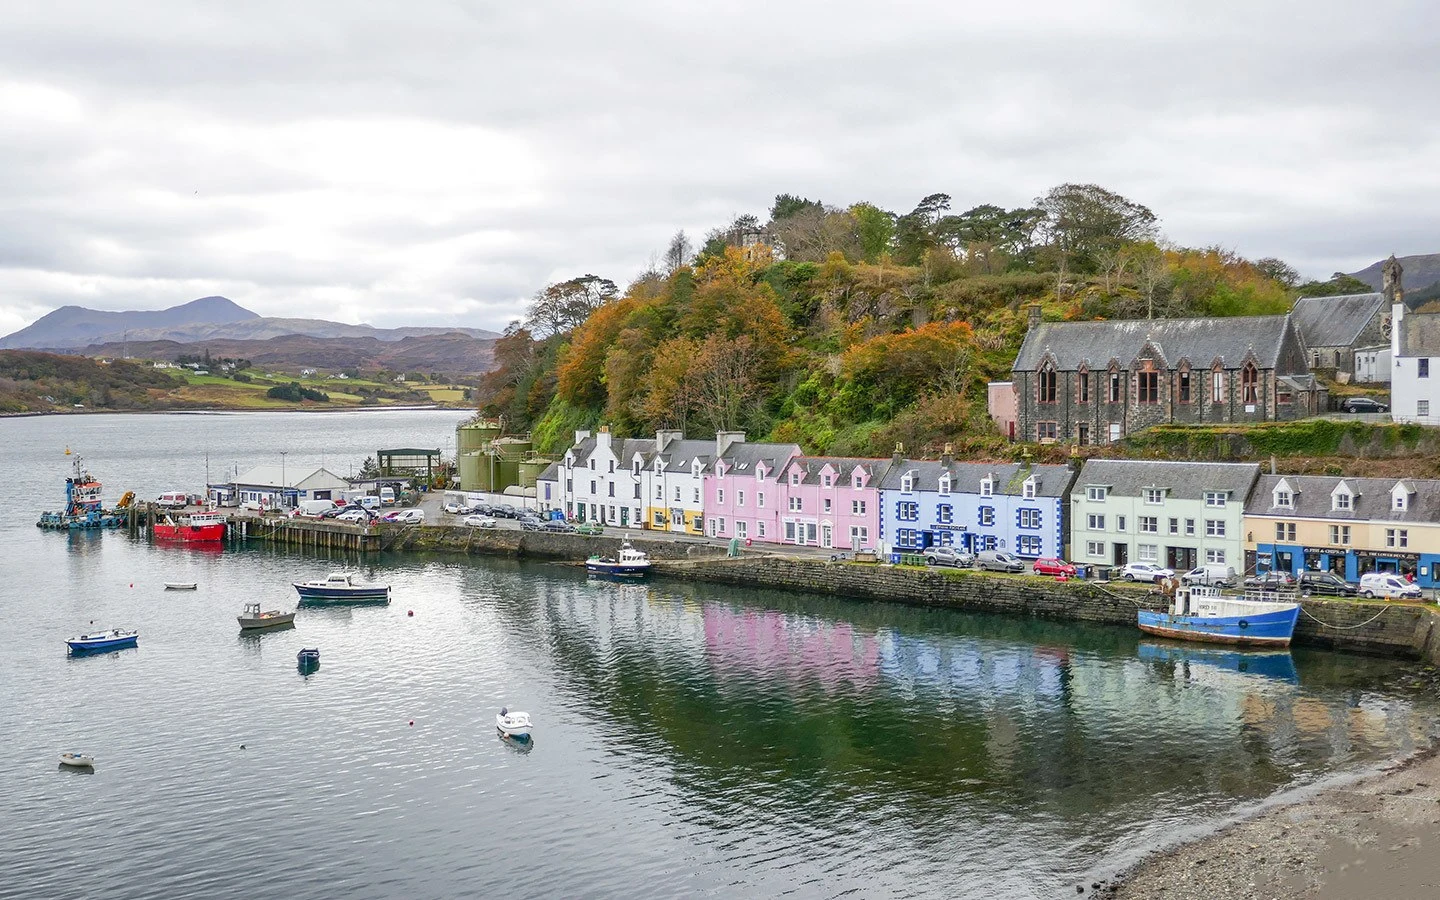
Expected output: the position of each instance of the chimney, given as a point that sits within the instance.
(1272, 464)
(581, 435)
(724, 440)
(664, 437)
(1032, 316)
(947, 458)
(899, 453)
(603, 438)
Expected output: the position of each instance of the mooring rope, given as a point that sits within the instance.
(1382, 612)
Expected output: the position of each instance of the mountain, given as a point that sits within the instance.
(207, 319)
(76, 326)
(455, 353)
(1420, 272)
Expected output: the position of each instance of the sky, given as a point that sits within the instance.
(436, 163)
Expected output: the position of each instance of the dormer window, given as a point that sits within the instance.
(987, 486)
(907, 484)
(857, 481)
(1400, 497)
(795, 478)
(635, 469)
(1399, 503)
(945, 485)
(1284, 499)
(1028, 489)
(827, 480)
(1341, 499)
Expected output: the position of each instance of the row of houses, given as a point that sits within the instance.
(1107, 512)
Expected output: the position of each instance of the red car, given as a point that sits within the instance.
(1049, 565)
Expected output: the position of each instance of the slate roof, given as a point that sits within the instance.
(678, 455)
(1371, 499)
(551, 473)
(744, 456)
(623, 448)
(965, 477)
(844, 465)
(1184, 480)
(1335, 321)
(1201, 341)
(288, 476)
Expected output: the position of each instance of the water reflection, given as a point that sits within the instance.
(1277, 664)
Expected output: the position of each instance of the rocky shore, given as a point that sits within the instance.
(1375, 838)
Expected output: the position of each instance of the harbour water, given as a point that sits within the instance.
(690, 740)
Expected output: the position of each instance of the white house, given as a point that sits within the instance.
(673, 476)
(281, 486)
(1415, 355)
(599, 482)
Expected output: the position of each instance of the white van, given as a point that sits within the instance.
(1209, 573)
(314, 508)
(1388, 585)
(369, 501)
(387, 496)
(173, 500)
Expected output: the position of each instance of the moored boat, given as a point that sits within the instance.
(253, 617)
(197, 528)
(341, 587)
(628, 563)
(180, 585)
(512, 724)
(114, 639)
(82, 504)
(309, 659)
(77, 760)
(1203, 613)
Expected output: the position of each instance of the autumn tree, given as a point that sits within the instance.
(679, 252)
(1083, 220)
(874, 229)
(562, 306)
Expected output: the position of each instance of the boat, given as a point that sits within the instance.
(628, 563)
(341, 587)
(82, 504)
(180, 585)
(1204, 613)
(114, 639)
(1266, 662)
(77, 760)
(308, 660)
(512, 724)
(254, 618)
(196, 528)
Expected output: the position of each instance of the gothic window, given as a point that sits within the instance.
(1184, 385)
(1217, 385)
(1083, 379)
(1250, 383)
(1047, 384)
(1115, 386)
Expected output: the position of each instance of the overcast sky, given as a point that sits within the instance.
(437, 162)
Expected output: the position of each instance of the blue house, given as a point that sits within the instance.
(975, 506)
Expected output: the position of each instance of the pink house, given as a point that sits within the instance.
(831, 502)
(742, 492)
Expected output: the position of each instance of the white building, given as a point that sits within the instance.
(674, 482)
(600, 482)
(1415, 355)
(281, 486)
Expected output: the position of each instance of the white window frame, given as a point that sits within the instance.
(1154, 497)
(1147, 552)
(1215, 499)
(1095, 549)
(1095, 522)
(987, 486)
(1096, 493)
(1215, 528)
(1215, 555)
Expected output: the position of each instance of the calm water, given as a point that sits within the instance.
(691, 740)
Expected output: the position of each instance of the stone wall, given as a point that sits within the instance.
(534, 544)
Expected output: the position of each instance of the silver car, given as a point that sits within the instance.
(948, 556)
(999, 561)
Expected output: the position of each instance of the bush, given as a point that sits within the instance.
(242, 378)
(295, 393)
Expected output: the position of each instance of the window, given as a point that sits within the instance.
(637, 490)
(1119, 523)
(612, 466)
(1214, 527)
(741, 529)
(826, 480)
(739, 498)
(1185, 386)
(794, 477)
(1046, 431)
(1340, 534)
(1341, 500)
(1047, 384)
(790, 533)
(987, 515)
(1027, 490)
(857, 507)
(1174, 524)
(1147, 552)
(660, 492)
(1154, 496)
(1397, 537)
(1285, 531)
(1149, 525)
(759, 529)
(1095, 548)
(1284, 500)
(945, 513)
(907, 484)
(1082, 433)
(719, 495)
(1029, 518)
(1249, 384)
(1114, 387)
(945, 485)
(569, 485)
(795, 504)
(1422, 407)
(1215, 499)
(1190, 527)
(1215, 556)
(719, 525)
(987, 486)
(1095, 522)
(825, 504)
(1398, 502)
(697, 496)
(1217, 386)
(592, 465)
(856, 481)
(859, 536)
(1147, 385)
(1095, 494)
(907, 512)
(635, 469)
(1084, 386)
(1028, 545)
(592, 487)
(1422, 367)
(659, 519)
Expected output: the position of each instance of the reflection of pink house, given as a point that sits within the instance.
(742, 492)
(831, 502)
(774, 645)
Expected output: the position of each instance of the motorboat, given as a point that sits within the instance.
(77, 760)
(180, 585)
(308, 660)
(254, 618)
(628, 563)
(114, 639)
(196, 528)
(341, 587)
(513, 724)
(1203, 613)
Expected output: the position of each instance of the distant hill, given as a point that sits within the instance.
(206, 319)
(1420, 272)
(455, 353)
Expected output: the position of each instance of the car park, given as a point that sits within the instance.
(948, 556)
(1388, 585)
(1210, 573)
(1327, 583)
(476, 520)
(999, 561)
(1363, 405)
(1049, 565)
(1140, 571)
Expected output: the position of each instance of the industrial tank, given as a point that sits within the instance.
(509, 452)
(531, 470)
(475, 434)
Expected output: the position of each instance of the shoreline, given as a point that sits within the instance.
(1361, 836)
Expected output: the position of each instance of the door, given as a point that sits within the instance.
(624, 516)
(1181, 559)
(1121, 554)
(827, 539)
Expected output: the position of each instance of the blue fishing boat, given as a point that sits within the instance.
(1267, 663)
(341, 587)
(82, 504)
(100, 641)
(308, 658)
(628, 563)
(1203, 613)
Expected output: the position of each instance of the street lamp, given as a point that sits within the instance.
(283, 481)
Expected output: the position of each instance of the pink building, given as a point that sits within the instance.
(742, 492)
(831, 502)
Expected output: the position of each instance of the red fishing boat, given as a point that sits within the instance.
(196, 528)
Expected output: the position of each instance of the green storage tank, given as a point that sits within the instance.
(479, 470)
(531, 470)
(509, 452)
(475, 434)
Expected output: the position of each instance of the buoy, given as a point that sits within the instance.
(410, 613)
(412, 721)
(132, 584)
(242, 746)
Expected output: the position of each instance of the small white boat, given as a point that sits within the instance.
(180, 585)
(513, 724)
(77, 760)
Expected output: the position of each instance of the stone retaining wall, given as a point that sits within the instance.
(534, 544)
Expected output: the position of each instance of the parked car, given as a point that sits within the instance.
(407, 516)
(1363, 405)
(529, 523)
(999, 561)
(589, 528)
(1049, 565)
(476, 520)
(1327, 583)
(453, 509)
(1210, 573)
(504, 511)
(1140, 571)
(354, 514)
(1388, 585)
(948, 556)
(1270, 580)
(558, 526)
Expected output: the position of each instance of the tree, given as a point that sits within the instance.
(1279, 270)
(787, 205)
(1082, 220)
(914, 231)
(874, 228)
(679, 252)
(1338, 285)
(564, 305)
(725, 381)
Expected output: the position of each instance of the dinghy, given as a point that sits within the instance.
(513, 724)
(77, 760)
(180, 585)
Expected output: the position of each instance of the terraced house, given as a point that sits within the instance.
(831, 501)
(674, 482)
(742, 492)
(1349, 526)
(1095, 382)
(598, 480)
(1173, 514)
(974, 506)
